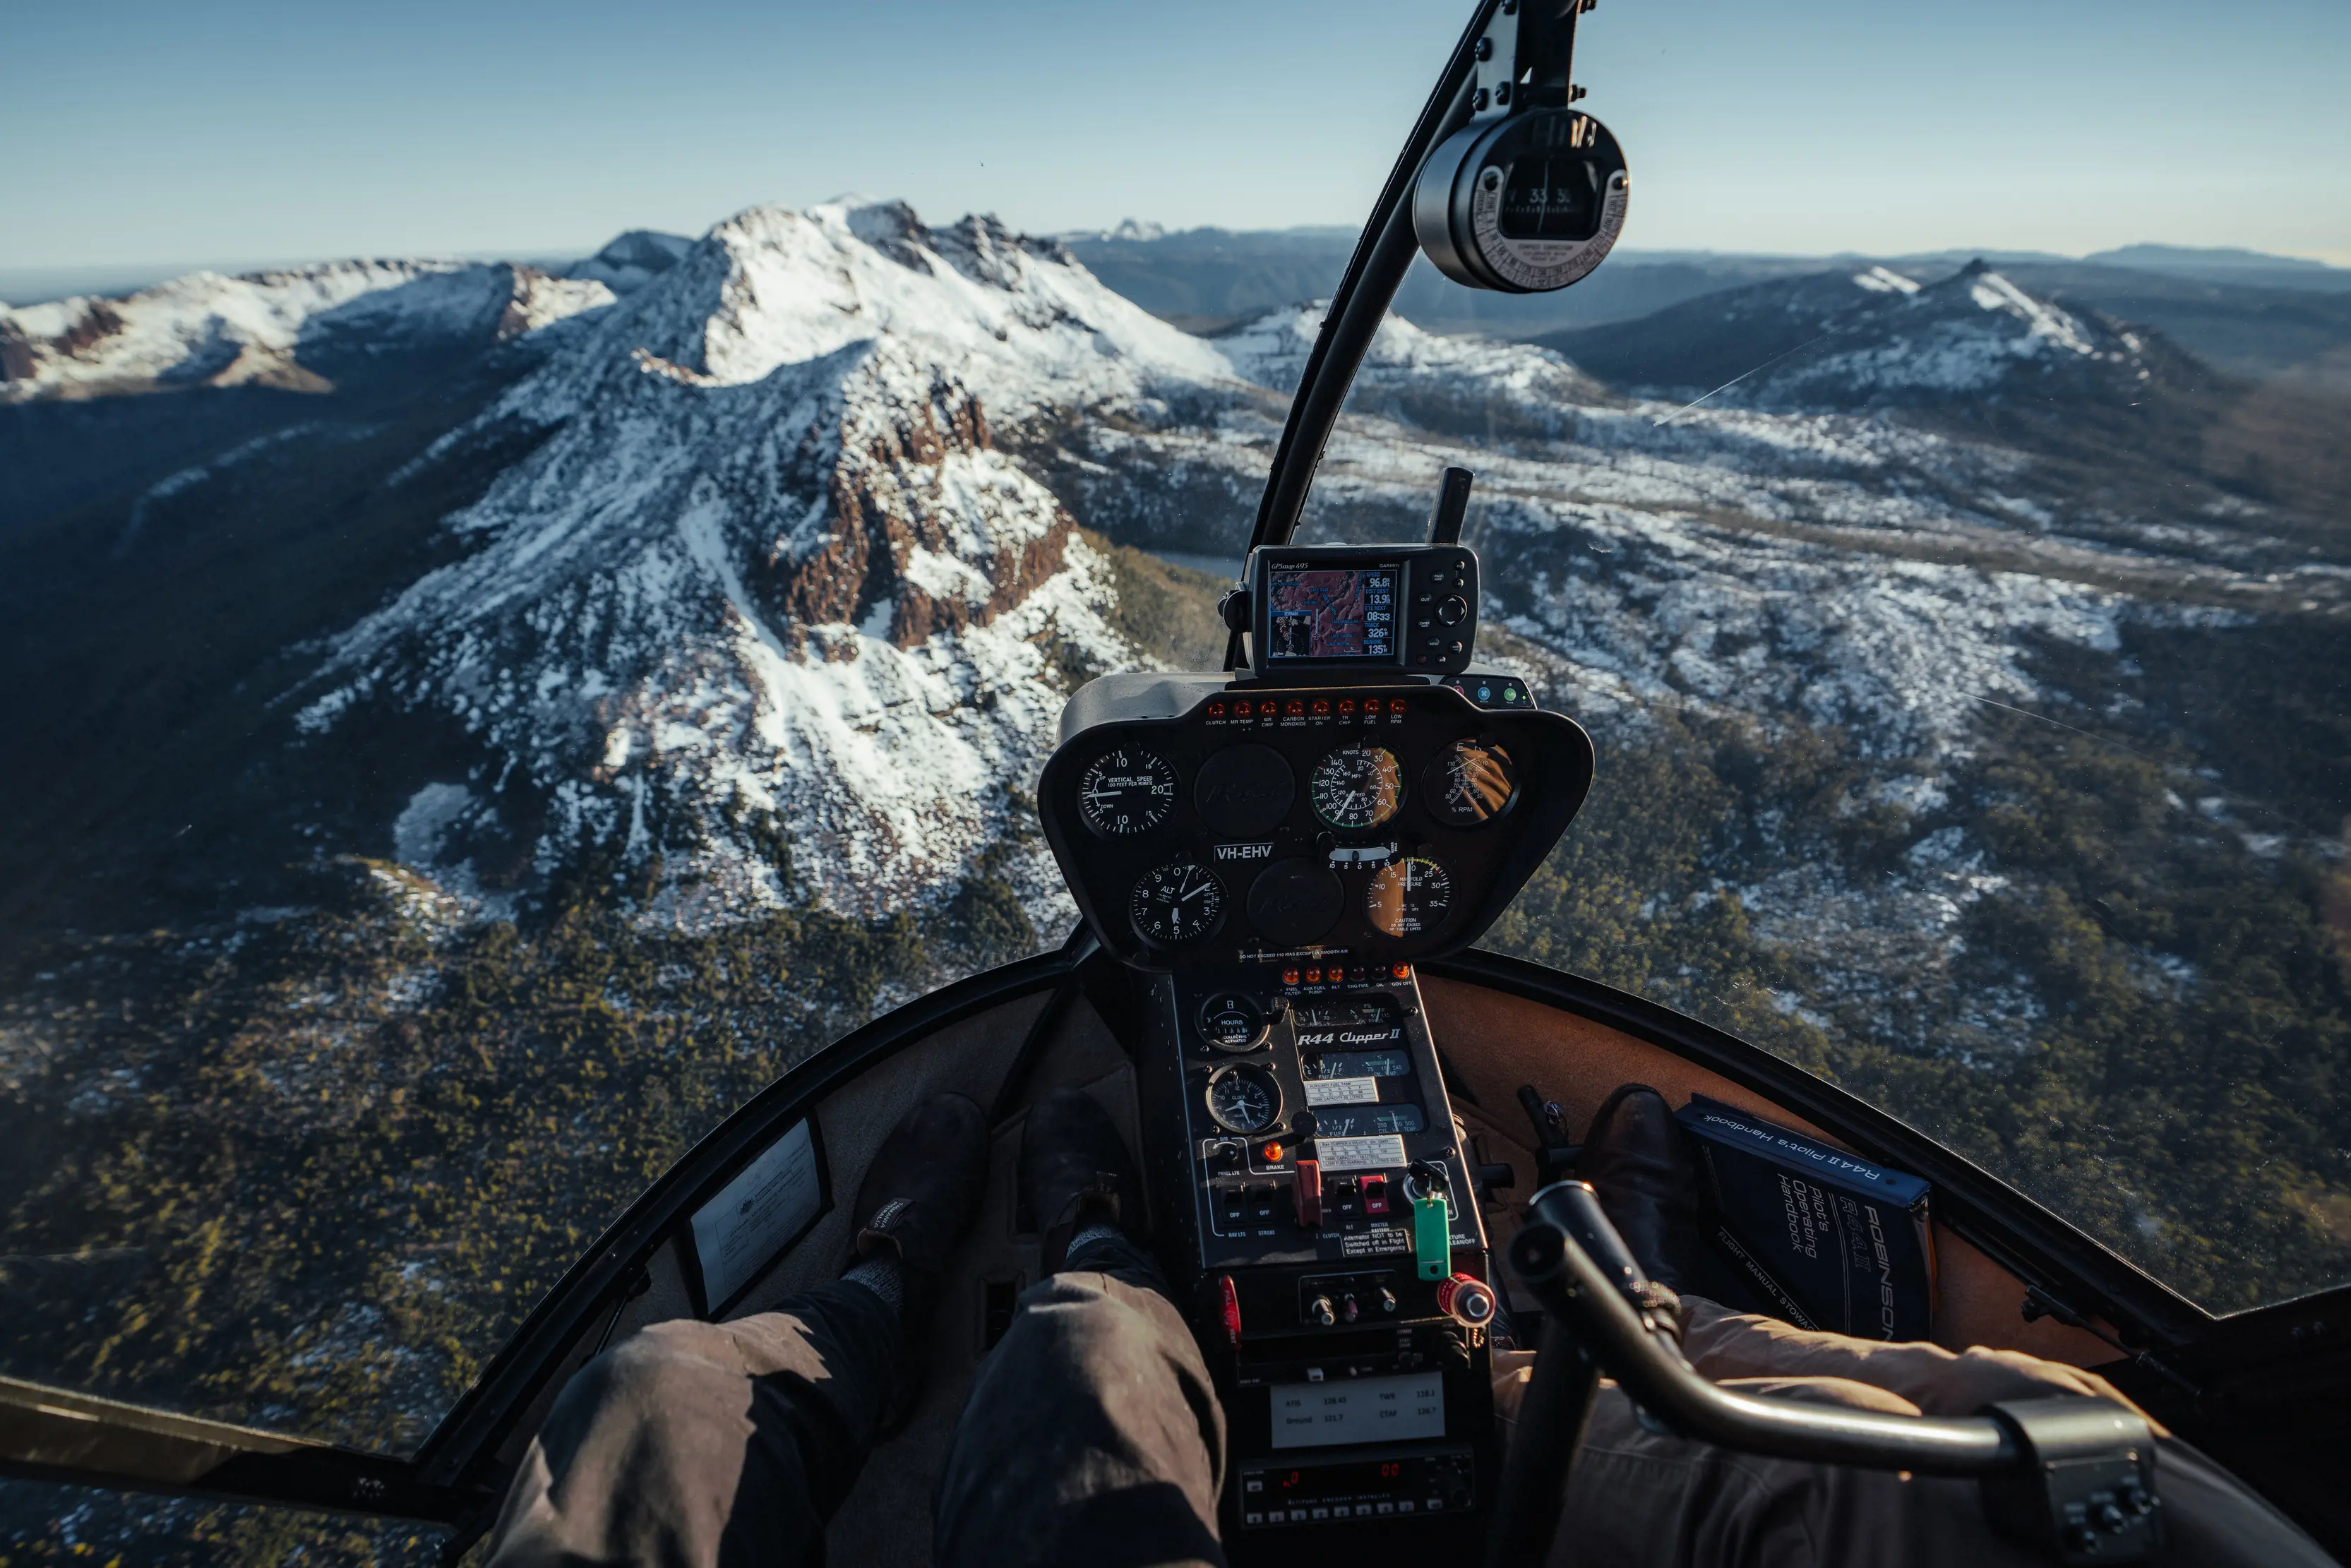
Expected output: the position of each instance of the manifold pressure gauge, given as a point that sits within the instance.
(1244, 1100)
(1522, 204)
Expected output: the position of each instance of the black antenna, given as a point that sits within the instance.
(1452, 506)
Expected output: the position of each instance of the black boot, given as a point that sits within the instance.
(917, 1202)
(1075, 1171)
(1636, 1159)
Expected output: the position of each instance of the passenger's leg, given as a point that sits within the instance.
(696, 1445)
(1094, 1433)
(707, 1445)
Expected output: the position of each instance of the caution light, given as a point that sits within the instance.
(1402, 971)
(1395, 705)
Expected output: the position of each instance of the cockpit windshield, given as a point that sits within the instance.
(487, 701)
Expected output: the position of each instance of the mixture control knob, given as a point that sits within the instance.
(1467, 1300)
(1321, 1313)
(1349, 1307)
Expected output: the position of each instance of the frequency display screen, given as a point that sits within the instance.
(1318, 613)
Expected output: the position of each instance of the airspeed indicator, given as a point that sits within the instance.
(1356, 787)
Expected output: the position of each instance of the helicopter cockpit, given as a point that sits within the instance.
(1356, 1129)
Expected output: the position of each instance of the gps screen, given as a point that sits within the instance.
(1332, 612)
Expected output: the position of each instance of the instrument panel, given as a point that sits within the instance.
(1203, 822)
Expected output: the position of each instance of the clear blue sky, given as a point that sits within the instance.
(133, 132)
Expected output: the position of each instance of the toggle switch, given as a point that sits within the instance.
(1308, 1190)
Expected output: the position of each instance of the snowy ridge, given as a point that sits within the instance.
(207, 330)
(770, 573)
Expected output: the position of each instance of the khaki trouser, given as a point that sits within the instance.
(1637, 1497)
(1093, 1436)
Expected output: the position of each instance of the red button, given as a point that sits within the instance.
(1232, 1312)
(1375, 1194)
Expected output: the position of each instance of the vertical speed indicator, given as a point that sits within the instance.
(1126, 791)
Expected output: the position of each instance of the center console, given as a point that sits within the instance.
(1269, 858)
(1270, 861)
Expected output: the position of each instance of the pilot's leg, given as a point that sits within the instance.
(1094, 1433)
(697, 1445)
(1636, 1497)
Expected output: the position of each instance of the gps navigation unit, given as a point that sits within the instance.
(1407, 607)
(1332, 612)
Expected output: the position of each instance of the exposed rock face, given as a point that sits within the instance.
(767, 570)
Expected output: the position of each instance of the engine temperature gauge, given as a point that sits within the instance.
(1410, 898)
(1244, 1100)
(1126, 791)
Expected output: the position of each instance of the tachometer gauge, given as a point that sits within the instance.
(1410, 898)
(1126, 791)
(1356, 787)
(1177, 904)
(1470, 782)
(1244, 1100)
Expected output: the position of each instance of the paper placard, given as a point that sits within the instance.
(1343, 1091)
(758, 1214)
(1379, 1152)
(1359, 1410)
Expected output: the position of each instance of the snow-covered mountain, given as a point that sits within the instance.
(767, 570)
(776, 542)
(275, 329)
(1876, 337)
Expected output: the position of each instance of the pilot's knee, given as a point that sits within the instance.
(661, 1369)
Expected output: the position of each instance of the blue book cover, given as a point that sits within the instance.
(1811, 1234)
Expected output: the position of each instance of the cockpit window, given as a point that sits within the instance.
(2014, 800)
